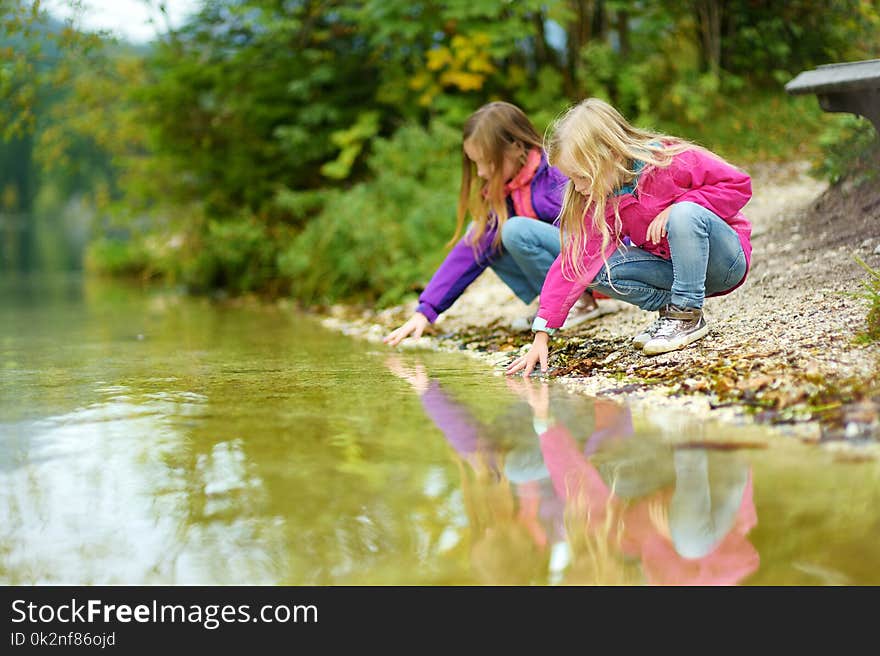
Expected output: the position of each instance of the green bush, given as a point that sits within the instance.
(849, 146)
(117, 257)
(237, 255)
(380, 239)
(872, 294)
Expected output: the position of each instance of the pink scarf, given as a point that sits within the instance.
(520, 187)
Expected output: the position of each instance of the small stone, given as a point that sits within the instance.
(877, 250)
(612, 357)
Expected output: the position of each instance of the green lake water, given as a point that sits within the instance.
(150, 438)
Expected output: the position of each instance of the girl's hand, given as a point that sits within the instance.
(415, 376)
(657, 227)
(538, 353)
(415, 326)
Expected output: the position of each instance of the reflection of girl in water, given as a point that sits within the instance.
(631, 509)
(695, 533)
(504, 498)
(509, 545)
(684, 514)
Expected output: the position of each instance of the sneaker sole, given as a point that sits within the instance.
(665, 346)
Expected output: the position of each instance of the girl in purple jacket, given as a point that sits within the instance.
(513, 197)
(679, 206)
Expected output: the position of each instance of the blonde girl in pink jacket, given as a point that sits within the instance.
(678, 205)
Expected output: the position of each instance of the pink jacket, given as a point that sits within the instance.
(694, 175)
(578, 482)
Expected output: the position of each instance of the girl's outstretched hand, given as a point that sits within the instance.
(414, 326)
(538, 353)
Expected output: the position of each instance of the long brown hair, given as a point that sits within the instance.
(493, 129)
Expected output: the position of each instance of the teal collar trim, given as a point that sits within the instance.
(638, 165)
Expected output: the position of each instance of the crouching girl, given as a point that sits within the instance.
(678, 204)
(513, 196)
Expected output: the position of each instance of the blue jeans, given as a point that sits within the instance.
(706, 258)
(708, 493)
(530, 247)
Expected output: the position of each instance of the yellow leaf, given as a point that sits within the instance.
(419, 81)
(463, 80)
(438, 58)
(480, 64)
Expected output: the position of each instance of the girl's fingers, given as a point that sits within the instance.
(395, 336)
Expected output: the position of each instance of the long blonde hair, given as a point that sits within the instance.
(492, 129)
(594, 141)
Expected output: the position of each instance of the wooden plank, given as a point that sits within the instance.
(850, 76)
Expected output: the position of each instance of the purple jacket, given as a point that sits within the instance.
(462, 266)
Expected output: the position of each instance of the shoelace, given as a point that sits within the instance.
(654, 326)
(667, 327)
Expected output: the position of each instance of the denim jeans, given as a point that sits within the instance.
(704, 506)
(706, 258)
(530, 247)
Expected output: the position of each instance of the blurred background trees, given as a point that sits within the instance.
(312, 147)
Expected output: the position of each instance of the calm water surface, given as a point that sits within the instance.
(147, 438)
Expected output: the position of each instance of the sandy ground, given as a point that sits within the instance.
(782, 348)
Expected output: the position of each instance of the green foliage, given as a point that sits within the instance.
(378, 240)
(40, 58)
(238, 255)
(314, 146)
(756, 126)
(872, 293)
(251, 95)
(351, 142)
(772, 42)
(117, 257)
(849, 146)
(544, 101)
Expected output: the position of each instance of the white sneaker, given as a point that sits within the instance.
(647, 334)
(521, 324)
(680, 327)
(588, 308)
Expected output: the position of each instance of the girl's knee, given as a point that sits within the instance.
(513, 231)
(687, 218)
(682, 214)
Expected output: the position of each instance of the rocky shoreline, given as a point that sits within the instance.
(783, 349)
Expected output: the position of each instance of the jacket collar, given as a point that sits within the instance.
(630, 188)
(527, 172)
